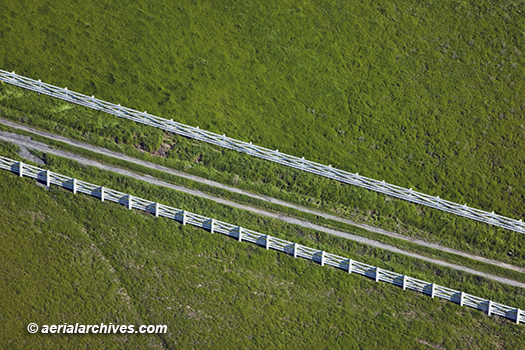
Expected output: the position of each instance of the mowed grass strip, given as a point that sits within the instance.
(76, 259)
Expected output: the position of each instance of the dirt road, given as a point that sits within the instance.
(27, 142)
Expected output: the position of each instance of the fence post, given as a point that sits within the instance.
(295, 250)
(130, 201)
(461, 299)
(518, 311)
(212, 225)
(48, 178)
(74, 186)
(156, 209)
(20, 169)
(240, 234)
(102, 193)
(489, 308)
(184, 217)
(404, 282)
(322, 258)
(350, 263)
(267, 242)
(377, 274)
(433, 290)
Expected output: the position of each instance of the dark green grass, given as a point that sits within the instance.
(53, 273)
(77, 259)
(279, 209)
(261, 176)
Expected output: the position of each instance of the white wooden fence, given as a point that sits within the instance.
(267, 241)
(264, 153)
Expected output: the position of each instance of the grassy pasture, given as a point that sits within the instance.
(68, 259)
(423, 95)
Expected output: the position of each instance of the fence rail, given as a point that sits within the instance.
(264, 240)
(264, 153)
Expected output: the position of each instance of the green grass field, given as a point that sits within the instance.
(411, 93)
(422, 95)
(68, 259)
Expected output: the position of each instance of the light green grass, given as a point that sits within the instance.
(54, 273)
(424, 95)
